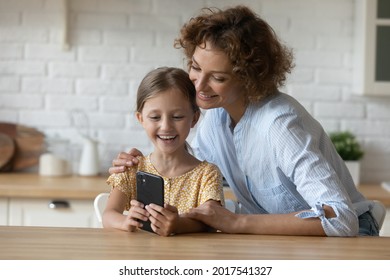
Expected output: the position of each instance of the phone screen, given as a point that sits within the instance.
(150, 189)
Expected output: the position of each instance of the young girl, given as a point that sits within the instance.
(167, 110)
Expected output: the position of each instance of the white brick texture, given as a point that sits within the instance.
(113, 44)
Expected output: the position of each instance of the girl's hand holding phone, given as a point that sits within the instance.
(164, 220)
(136, 213)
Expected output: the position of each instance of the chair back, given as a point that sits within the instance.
(378, 211)
(99, 205)
(231, 205)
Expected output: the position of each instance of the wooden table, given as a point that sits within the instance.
(102, 244)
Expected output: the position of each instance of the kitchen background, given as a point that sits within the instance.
(78, 74)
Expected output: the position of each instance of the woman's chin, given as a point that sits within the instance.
(206, 104)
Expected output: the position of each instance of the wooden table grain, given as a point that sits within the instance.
(45, 243)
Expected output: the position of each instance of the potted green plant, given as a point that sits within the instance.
(350, 151)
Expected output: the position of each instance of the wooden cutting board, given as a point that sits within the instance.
(29, 144)
(7, 151)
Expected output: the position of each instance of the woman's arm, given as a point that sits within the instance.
(279, 224)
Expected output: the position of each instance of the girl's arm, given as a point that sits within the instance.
(113, 214)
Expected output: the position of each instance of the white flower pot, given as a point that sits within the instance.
(354, 169)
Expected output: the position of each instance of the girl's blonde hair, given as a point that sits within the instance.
(166, 78)
(162, 79)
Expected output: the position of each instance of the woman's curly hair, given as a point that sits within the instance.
(259, 60)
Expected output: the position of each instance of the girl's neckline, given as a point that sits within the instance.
(148, 158)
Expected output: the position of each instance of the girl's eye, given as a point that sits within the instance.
(178, 117)
(154, 118)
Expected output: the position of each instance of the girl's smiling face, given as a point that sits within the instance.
(167, 118)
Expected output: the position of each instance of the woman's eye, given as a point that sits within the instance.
(194, 67)
(219, 79)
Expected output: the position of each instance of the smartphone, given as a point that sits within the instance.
(150, 189)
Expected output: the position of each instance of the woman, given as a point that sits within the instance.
(278, 160)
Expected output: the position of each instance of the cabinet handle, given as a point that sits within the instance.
(59, 204)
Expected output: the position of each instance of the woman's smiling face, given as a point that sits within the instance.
(216, 86)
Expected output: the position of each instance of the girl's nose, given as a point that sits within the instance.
(166, 124)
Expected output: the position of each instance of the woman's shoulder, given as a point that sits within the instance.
(278, 102)
(277, 107)
(216, 116)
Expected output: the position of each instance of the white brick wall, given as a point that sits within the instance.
(113, 43)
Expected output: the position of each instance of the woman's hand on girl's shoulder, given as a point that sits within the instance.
(124, 160)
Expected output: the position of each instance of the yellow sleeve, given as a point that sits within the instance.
(211, 185)
(124, 182)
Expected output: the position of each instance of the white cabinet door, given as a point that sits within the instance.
(3, 211)
(54, 213)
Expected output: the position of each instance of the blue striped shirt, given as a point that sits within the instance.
(278, 159)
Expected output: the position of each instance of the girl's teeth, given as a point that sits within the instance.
(167, 137)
